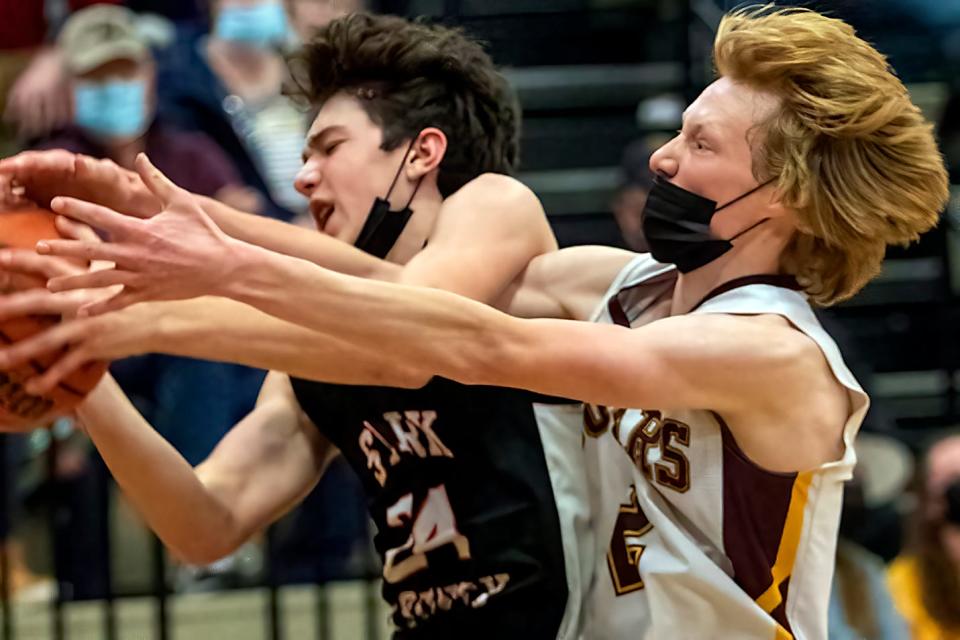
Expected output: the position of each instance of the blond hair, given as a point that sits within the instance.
(851, 155)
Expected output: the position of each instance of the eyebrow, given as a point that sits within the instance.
(699, 128)
(315, 140)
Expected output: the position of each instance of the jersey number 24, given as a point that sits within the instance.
(433, 526)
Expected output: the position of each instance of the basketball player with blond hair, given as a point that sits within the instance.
(720, 417)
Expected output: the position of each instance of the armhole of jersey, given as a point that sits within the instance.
(640, 269)
(793, 307)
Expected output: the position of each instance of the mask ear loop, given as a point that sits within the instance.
(400, 170)
(737, 199)
(741, 197)
(748, 229)
(414, 194)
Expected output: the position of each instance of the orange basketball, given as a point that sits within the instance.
(20, 410)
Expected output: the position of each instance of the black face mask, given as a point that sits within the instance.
(383, 226)
(676, 224)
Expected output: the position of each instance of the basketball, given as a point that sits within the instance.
(19, 410)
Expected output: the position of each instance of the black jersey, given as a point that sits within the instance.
(458, 486)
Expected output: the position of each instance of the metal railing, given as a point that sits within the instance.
(268, 610)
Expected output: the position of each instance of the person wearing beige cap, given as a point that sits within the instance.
(112, 81)
(111, 73)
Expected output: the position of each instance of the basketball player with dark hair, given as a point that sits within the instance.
(406, 161)
(721, 417)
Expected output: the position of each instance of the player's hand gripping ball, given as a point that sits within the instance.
(19, 410)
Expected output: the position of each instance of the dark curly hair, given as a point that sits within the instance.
(409, 76)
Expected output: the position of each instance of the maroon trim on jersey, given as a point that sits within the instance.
(617, 314)
(776, 280)
(755, 505)
(615, 305)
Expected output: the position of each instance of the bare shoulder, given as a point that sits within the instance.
(493, 194)
(495, 213)
(495, 186)
(783, 385)
(746, 360)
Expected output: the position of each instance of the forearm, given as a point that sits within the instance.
(229, 331)
(438, 333)
(155, 477)
(433, 332)
(298, 242)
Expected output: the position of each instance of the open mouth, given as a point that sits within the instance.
(321, 214)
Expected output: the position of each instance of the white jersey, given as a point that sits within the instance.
(560, 433)
(694, 540)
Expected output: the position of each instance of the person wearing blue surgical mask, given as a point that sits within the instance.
(260, 24)
(113, 109)
(112, 79)
(228, 84)
(113, 83)
(114, 104)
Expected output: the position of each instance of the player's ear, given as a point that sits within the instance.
(428, 151)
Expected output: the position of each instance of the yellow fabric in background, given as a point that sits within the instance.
(904, 580)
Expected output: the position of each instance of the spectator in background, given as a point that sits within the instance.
(229, 85)
(307, 15)
(925, 581)
(33, 100)
(181, 11)
(860, 602)
(111, 79)
(631, 196)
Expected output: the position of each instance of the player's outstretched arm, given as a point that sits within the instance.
(486, 235)
(206, 328)
(685, 361)
(263, 466)
(41, 176)
(489, 231)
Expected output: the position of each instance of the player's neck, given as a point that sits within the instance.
(426, 208)
(756, 256)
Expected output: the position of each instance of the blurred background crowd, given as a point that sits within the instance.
(198, 85)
